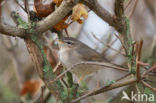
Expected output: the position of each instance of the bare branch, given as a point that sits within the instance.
(102, 64)
(108, 46)
(20, 5)
(148, 86)
(104, 89)
(149, 70)
(9, 30)
(101, 12)
(129, 2)
(135, 5)
(138, 55)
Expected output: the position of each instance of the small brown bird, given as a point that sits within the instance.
(73, 51)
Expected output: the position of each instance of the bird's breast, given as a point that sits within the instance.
(68, 57)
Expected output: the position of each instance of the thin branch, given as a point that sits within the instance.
(109, 46)
(148, 86)
(26, 5)
(129, 2)
(104, 14)
(149, 70)
(104, 89)
(142, 63)
(9, 30)
(20, 5)
(121, 43)
(57, 66)
(138, 55)
(102, 64)
(146, 80)
(123, 77)
(135, 5)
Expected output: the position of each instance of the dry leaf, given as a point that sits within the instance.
(31, 87)
(79, 10)
(43, 10)
(57, 2)
(53, 60)
(61, 24)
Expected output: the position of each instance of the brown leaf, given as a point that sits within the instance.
(52, 57)
(61, 24)
(31, 87)
(57, 2)
(79, 10)
(43, 10)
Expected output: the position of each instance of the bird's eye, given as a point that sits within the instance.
(69, 42)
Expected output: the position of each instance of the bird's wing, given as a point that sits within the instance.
(90, 54)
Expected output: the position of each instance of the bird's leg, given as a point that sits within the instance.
(97, 79)
(80, 79)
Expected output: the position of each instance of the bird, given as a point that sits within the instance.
(73, 51)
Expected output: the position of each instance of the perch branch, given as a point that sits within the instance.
(104, 14)
(104, 89)
(9, 30)
(108, 65)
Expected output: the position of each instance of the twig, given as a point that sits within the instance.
(26, 5)
(121, 43)
(20, 5)
(128, 4)
(146, 80)
(142, 63)
(109, 65)
(109, 46)
(104, 89)
(66, 31)
(136, 2)
(57, 66)
(149, 86)
(123, 77)
(149, 70)
(138, 55)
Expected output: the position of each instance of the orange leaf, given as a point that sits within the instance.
(43, 10)
(79, 10)
(57, 2)
(61, 24)
(31, 87)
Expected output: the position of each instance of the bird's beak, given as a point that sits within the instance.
(60, 41)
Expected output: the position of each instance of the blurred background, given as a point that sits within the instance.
(16, 68)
